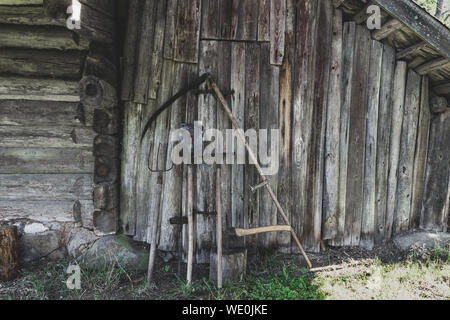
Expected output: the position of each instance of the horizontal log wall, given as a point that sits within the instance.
(47, 158)
(353, 124)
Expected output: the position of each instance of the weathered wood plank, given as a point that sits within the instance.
(129, 169)
(383, 147)
(40, 37)
(171, 25)
(348, 37)
(44, 113)
(285, 124)
(421, 154)
(143, 65)
(188, 31)
(370, 165)
(206, 174)
(277, 31)
(49, 211)
(21, 2)
(55, 64)
(407, 149)
(130, 48)
(173, 180)
(411, 50)
(45, 187)
(387, 29)
(422, 23)
(268, 119)
(46, 137)
(398, 105)
(316, 154)
(40, 160)
(246, 17)
(157, 53)
(25, 16)
(251, 121)
(357, 135)
(238, 107)
(432, 65)
(302, 113)
(210, 19)
(264, 20)
(12, 88)
(332, 140)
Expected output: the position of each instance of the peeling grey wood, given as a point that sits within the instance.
(331, 212)
(37, 37)
(436, 201)
(398, 105)
(407, 149)
(45, 187)
(38, 89)
(421, 154)
(129, 169)
(46, 137)
(46, 160)
(277, 31)
(44, 113)
(347, 80)
(53, 64)
(370, 166)
(383, 141)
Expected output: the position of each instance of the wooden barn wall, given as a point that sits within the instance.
(354, 124)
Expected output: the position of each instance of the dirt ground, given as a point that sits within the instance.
(339, 273)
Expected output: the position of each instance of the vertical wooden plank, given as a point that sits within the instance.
(131, 147)
(268, 119)
(206, 174)
(436, 201)
(247, 20)
(407, 148)
(384, 130)
(277, 31)
(420, 157)
(170, 29)
(188, 31)
(348, 38)
(357, 135)
(398, 103)
(317, 148)
(172, 188)
(223, 123)
(143, 68)
(285, 122)
(332, 137)
(264, 21)
(130, 45)
(251, 121)
(210, 19)
(302, 112)
(238, 108)
(368, 217)
(158, 47)
(226, 12)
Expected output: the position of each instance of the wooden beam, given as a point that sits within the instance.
(388, 28)
(251, 232)
(25, 15)
(13, 88)
(21, 2)
(40, 37)
(362, 15)
(442, 89)
(432, 65)
(411, 50)
(423, 24)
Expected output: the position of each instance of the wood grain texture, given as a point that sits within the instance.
(383, 141)
(370, 165)
(188, 31)
(25, 16)
(264, 20)
(277, 31)
(407, 150)
(398, 105)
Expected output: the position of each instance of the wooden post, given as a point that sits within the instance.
(190, 213)
(9, 253)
